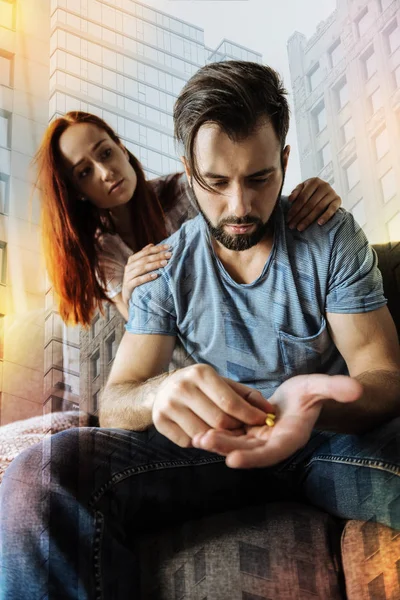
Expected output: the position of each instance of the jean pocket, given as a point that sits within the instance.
(302, 355)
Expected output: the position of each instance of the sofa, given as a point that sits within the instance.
(277, 551)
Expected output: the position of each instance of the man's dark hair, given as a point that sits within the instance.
(235, 95)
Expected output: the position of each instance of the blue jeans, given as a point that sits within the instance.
(71, 506)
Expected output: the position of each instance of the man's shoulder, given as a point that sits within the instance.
(184, 243)
(186, 235)
(315, 232)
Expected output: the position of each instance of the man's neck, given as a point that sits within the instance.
(245, 266)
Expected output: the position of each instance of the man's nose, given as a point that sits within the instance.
(239, 201)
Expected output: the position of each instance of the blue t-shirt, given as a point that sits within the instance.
(266, 331)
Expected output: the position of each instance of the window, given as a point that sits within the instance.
(6, 68)
(381, 144)
(359, 213)
(352, 174)
(396, 75)
(107, 311)
(342, 93)
(347, 131)
(314, 77)
(96, 326)
(335, 53)
(95, 365)
(111, 347)
(320, 118)
(7, 12)
(95, 401)
(325, 155)
(369, 63)
(364, 22)
(4, 193)
(394, 228)
(5, 129)
(388, 185)
(375, 101)
(393, 37)
(2, 337)
(3, 263)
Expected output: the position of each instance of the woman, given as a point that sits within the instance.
(101, 219)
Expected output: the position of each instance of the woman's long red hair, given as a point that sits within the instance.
(70, 226)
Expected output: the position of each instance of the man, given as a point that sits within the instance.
(276, 323)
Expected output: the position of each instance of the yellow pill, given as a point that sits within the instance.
(271, 416)
(270, 422)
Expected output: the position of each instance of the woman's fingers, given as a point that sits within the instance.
(309, 201)
(311, 212)
(140, 268)
(149, 250)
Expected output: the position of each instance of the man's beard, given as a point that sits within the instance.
(241, 241)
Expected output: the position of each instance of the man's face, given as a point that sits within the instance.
(246, 177)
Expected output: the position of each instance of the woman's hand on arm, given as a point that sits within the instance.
(311, 200)
(141, 266)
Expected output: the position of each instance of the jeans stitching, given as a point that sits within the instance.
(362, 462)
(146, 468)
(98, 534)
(99, 519)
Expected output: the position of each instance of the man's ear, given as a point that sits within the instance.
(285, 157)
(187, 170)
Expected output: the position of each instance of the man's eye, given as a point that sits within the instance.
(219, 183)
(263, 180)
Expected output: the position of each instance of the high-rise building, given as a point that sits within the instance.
(346, 88)
(125, 63)
(24, 77)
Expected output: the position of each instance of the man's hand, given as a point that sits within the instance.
(194, 399)
(311, 200)
(297, 404)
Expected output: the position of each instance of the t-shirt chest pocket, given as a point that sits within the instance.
(302, 355)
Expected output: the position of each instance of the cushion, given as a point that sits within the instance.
(16, 437)
(286, 551)
(371, 561)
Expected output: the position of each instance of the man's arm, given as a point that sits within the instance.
(139, 368)
(369, 345)
(139, 393)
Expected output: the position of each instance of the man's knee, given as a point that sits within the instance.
(54, 464)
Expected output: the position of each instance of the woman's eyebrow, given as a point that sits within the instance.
(93, 148)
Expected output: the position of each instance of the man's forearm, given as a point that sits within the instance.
(129, 405)
(380, 402)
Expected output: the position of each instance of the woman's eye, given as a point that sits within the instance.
(83, 173)
(107, 153)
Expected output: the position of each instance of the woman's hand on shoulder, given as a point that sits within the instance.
(311, 200)
(141, 267)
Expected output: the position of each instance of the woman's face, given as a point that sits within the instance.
(99, 167)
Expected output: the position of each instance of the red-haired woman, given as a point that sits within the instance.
(101, 219)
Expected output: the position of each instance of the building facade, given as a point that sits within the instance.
(24, 69)
(346, 88)
(126, 63)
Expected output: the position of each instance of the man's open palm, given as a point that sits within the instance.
(298, 405)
